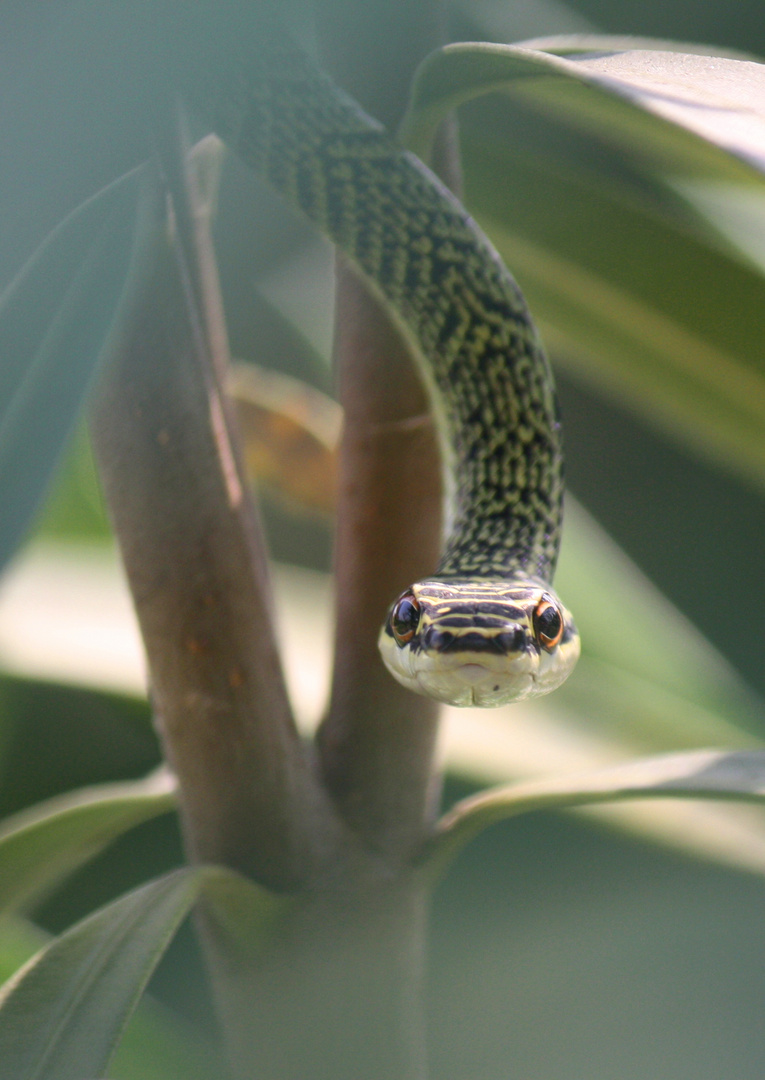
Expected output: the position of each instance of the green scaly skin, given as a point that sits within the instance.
(479, 353)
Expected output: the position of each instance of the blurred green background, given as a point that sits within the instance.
(561, 949)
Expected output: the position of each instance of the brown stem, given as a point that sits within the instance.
(377, 742)
(196, 564)
(335, 992)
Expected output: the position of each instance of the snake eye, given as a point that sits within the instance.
(548, 623)
(404, 618)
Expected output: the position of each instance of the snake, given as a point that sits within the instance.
(487, 627)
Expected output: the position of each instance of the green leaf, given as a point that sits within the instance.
(650, 680)
(676, 112)
(711, 774)
(587, 42)
(649, 683)
(157, 1044)
(603, 319)
(75, 508)
(244, 914)
(40, 847)
(62, 1014)
(54, 318)
(647, 152)
(19, 941)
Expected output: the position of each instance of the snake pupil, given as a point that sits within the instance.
(548, 624)
(404, 618)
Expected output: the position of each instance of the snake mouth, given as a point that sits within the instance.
(472, 673)
(488, 679)
(482, 686)
(477, 686)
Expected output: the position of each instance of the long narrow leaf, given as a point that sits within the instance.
(711, 110)
(53, 321)
(646, 151)
(42, 846)
(626, 345)
(19, 941)
(711, 774)
(62, 1014)
(158, 1043)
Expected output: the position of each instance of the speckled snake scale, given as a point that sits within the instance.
(487, 627)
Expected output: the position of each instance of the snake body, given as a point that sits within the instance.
(487, 628)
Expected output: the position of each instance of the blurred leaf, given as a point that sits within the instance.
(626, 192)
(588, 42)
(601, 317)
(289, 433)
(19, 940)
(157, 1045)
(646, 674)
(296, 300)
(711, 110)
(647, 682)
(53, 321)
(40, 847)
(712, 774)
(63, 1013)
(496, 20)
(75, 508)
(244, 913)
(205, 160)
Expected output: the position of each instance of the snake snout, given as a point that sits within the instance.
(513, 639)
(440, 641)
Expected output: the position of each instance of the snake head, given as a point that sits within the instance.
(480, 642)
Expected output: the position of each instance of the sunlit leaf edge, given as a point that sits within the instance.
(709, 774)
(459, 73)
(572, 44)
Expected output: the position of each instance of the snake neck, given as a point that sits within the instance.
(507, 501)
(477, 348)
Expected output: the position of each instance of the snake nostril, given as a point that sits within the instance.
(438, 640)
(512, 640)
